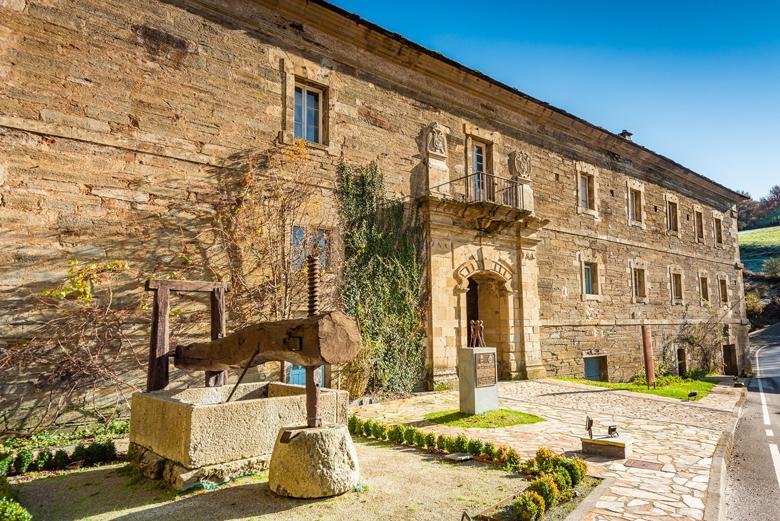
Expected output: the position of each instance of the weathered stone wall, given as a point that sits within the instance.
(123, 126)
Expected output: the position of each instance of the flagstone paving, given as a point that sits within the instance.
(680, 436)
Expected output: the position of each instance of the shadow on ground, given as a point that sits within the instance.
(400, 483)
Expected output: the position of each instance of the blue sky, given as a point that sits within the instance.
(698, 82)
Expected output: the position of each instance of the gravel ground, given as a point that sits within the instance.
(401, 484)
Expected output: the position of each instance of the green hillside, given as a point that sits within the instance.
(755, 246)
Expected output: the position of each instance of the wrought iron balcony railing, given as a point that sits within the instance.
(482, 187)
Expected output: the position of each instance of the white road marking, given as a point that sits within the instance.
(764, 409)
(769, 433)
(776, 460)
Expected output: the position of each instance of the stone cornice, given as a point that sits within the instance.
(393, 47)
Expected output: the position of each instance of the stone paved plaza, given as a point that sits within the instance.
(679, 436)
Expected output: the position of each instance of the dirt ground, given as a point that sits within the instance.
(400, 484)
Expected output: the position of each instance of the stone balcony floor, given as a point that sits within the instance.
(680, 436)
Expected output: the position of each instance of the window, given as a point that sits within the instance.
(590, 278)
(308, 113)
(478, 158)
(323, 247)
(302, 243)
(635, 205)
(640, 291)
(298, 247)
(698, 225)
(672, 217)
(704, 288)
(677, 287)
(718, 223)
(587, 192)
(724, 291)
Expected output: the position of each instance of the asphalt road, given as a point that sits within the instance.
(753, 479)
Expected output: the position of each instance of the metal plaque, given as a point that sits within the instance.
(486, 369)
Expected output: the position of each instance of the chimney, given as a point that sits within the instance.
(626, 135)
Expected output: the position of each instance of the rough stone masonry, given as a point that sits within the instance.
(121, 124)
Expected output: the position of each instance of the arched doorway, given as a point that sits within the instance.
(488, 300)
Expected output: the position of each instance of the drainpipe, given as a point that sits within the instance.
(647, 347)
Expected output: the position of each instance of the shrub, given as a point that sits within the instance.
(663, 381)
(529, 506)
(430, 440)
(368, 428)
(100, 453)
(529, 466)
(23, 461)
(546, 460)
(5, 488)
(409, 435)
(772, 267)
(419, 438)
(460, 443)
(545, 487)
(582, 465)
(513, 460)
(79, 453)
(352, 424)
(396, 434)
(6, 462)
(379, 431)
(573, 469)
(44, 461)
(695, 374)
(562, 479)
(489, 450)
(501, 454)
(475, 447)
(10, 510)
(443, 442)
(60, 459)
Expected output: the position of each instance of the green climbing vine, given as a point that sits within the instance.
(382, 276)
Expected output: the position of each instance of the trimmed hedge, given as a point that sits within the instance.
(10, 510)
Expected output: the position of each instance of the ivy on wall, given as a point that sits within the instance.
(382, 280)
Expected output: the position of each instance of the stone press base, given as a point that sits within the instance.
(180, 478)
(314, 462)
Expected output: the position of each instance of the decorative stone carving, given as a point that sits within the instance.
(520, 165)
(436, 141)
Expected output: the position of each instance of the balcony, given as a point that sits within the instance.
(484, 201)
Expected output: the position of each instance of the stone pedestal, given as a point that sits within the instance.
(313, 462)
(613, 448)
(477, 379)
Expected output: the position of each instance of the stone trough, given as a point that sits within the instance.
(189, 436)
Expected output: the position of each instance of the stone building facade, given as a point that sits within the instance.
(121, 120)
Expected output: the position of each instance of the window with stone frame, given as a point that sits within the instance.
(698, 225)
(587, 189)
(635, 205)
(309, 116)
(672, 216)
(305, 240)
(676, 285)
(704, 288)
(723, 289)
(590, 278)
(717, 224)
(639, 280)
(480, 167)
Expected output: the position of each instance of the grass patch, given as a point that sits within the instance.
(756, 246)
(487, 420)
(673, 390)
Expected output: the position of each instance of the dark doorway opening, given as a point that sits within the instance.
(730, 360)
(472, 305)
(682, 366)
(596, 368)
